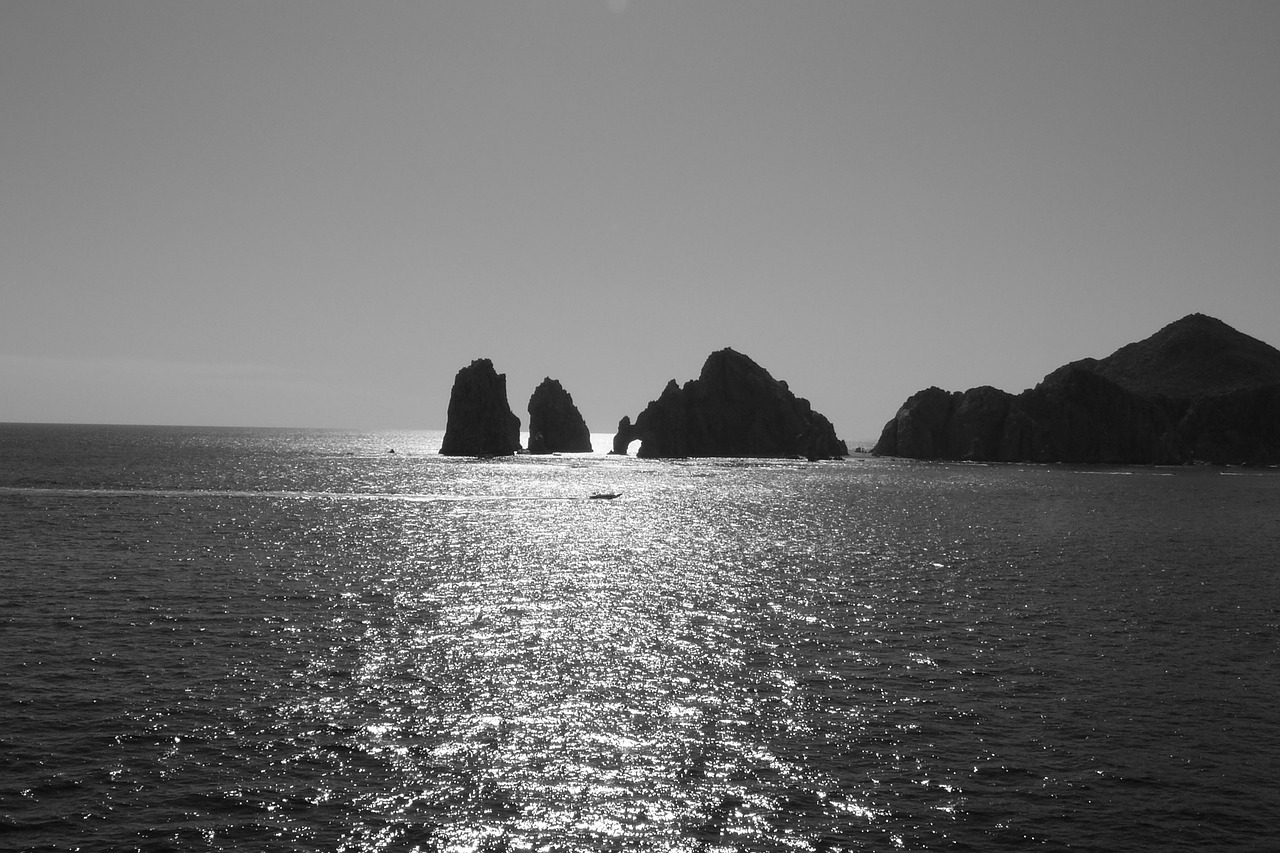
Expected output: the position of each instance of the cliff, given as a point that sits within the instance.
(481, 422)
(1197, 390)
(733, 408)
(555, 424)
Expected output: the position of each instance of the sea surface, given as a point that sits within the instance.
(236, 639)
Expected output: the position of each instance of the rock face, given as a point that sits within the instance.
(1197, 390)
(481, 422)
(733, 408)
(555, 424)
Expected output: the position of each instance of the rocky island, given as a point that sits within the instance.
(555, 424)
(1195, 391)
(481, 422)
(733, 408)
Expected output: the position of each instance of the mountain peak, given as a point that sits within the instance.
(1195, 356)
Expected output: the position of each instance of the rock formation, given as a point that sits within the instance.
(1197, 390)
(481, 422)
(555, 424)
(623, 437)
(733, 408)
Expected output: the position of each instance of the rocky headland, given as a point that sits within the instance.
(1195, 391)
(733, 408)
(481, 422)
(555, 424)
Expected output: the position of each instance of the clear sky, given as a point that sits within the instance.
(313, 214)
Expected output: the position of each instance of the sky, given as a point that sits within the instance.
(308, 213)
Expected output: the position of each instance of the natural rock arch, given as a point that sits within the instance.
(733, 408)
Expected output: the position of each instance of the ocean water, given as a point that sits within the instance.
(220, 639)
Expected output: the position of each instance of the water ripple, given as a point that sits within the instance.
(759, 656)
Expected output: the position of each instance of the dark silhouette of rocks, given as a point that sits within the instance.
(1195, 357)
(555, 424)
(481, 422)
(624, 436)
(733, 408)
(1197, 390)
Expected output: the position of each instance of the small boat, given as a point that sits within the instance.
(605, 496)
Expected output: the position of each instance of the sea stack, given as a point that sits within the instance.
(1195, 391)
(555, 424)
(481, 422)
(733, 408)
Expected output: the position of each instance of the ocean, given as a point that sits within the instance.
(243, 639)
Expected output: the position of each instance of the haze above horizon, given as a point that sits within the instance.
(314, 213)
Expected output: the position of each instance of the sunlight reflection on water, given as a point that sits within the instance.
(593, 672)
(589, 671)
